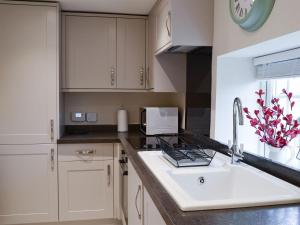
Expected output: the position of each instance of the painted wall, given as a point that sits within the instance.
(107, 105)
(229, 37)
(237, 78)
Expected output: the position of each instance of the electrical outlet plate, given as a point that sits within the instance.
(91, 117)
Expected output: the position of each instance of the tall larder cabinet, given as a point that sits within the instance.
(28, 111)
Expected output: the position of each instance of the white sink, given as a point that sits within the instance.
(224, 186)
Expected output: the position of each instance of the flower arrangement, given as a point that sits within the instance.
(271, 124)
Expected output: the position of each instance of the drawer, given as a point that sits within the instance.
(85, 152)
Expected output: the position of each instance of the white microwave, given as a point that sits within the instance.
(159, 120)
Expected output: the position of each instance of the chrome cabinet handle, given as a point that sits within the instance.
(112, 76)
(147, 78)
(142, 76)
(85, 152)
(168, 21)
(136, 198)
(108, 175)
(52, 159)
(52, 130)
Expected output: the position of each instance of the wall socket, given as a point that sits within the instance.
(91, 117)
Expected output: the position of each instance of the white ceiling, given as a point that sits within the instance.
(109, 6)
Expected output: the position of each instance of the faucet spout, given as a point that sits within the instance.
(237, 111)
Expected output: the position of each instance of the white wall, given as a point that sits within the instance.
(229, 37)
(236, 78)
(107, 104)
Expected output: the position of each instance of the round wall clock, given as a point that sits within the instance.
(250, 14)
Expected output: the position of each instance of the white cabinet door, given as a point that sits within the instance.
(28, 68)
(163, 25)
(135, 197)
(86, 190)
(28, 184)
(90, 52)
(151, 213)
(131, 53)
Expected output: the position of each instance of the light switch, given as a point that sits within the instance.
(91, 117)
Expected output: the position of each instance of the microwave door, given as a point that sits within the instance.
(143, 120)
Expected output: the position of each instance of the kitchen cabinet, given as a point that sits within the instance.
(86, 181)
(167, 72)
(181, 26)
(151, 213)
(141, 208)
(135, 197)
(163, 24)
(28, 184)
(104, 52)
(131, 53)
(90, 52)
(29, 72)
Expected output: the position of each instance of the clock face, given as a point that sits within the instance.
(241, 8)
(250, 15)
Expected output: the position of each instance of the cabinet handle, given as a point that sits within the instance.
(148, 78)
(52, 159)
(168, 21)
(142, 76)
(136, 198)
(112, 76)
(52, 130)
(85, 152)
(108, 175)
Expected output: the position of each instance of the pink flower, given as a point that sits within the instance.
(254, 122)
(271, 124)
(260, 92)
(246, 110)
(258, 132)
(292, 105)
(260, 102)
(288, 118)
(275, 100)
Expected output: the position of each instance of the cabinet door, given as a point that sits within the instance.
(163, 25)
(151, 213)
(90, 52)
(85, 190)
(131, 53)
(28, 68)
(135, 197)
(28, 184)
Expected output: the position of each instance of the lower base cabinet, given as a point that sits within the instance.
(28, 184)
(151, 213)
(141, 208)
(135, 197)
(86, 184)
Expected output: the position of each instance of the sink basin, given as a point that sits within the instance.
(220, 185)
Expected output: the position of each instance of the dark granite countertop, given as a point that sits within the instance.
(267, 215)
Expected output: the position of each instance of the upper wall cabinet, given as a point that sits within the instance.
(104, 52)
(29, 72)
(183, 25)
(90, 52)
(131, 53)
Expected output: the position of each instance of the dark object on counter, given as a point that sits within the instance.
(182, 153)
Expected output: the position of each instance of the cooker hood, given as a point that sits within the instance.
(180, 49)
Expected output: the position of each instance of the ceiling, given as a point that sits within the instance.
(110, 6)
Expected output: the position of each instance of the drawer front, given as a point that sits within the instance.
(85, 152)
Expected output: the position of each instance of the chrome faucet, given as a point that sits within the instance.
(236, 153)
